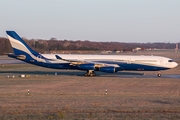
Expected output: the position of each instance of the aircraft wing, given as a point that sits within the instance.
(96, 64)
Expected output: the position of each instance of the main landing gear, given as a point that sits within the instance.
(90, 73)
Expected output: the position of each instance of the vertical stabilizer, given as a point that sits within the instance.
(18, 45)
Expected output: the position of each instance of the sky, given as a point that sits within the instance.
(139, 21)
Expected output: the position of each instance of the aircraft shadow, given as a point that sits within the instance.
(98, 74)
(74, 73)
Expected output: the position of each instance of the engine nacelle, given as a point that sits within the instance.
(108, 69)
(86, 66)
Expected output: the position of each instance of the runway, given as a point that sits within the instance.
(70, 95)
(67, 93)
(4, 60)
(98, 74)
(174, 76)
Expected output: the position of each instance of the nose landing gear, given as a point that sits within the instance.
(159, 74)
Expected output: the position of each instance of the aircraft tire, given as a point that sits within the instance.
(159, 75)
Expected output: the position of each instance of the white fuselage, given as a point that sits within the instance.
(129, 59)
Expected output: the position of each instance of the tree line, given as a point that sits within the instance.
(47, 46)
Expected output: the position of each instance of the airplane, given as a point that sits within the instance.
(89, 63)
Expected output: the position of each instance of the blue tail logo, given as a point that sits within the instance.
(18, 45)
(20, 48)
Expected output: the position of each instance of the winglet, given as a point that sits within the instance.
(58, 57)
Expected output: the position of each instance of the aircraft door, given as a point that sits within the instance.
(161, 61)
(80, 58)
(128, 60)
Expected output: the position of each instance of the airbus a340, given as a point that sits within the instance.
(89, 63)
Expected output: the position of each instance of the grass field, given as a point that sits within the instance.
(69, 95)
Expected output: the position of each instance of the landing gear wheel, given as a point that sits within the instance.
(85, 74)
(90, 73)
(159, 74)
(93, 73)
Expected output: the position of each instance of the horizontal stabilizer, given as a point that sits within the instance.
(21, 57)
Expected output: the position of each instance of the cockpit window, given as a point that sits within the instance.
(170, 61)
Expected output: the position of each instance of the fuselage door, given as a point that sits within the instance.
(128, 60)
(161, 61)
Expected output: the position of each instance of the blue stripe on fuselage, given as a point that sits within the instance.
(141, 67)
(123, 65)
(43, 64)
(20, 52)
(134, 66)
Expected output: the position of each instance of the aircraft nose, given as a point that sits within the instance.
(175, 64)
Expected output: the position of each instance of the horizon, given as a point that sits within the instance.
(96, 41)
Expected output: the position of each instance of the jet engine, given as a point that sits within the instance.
(86, 66)
(109, 69)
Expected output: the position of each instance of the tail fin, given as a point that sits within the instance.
(18, 45)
